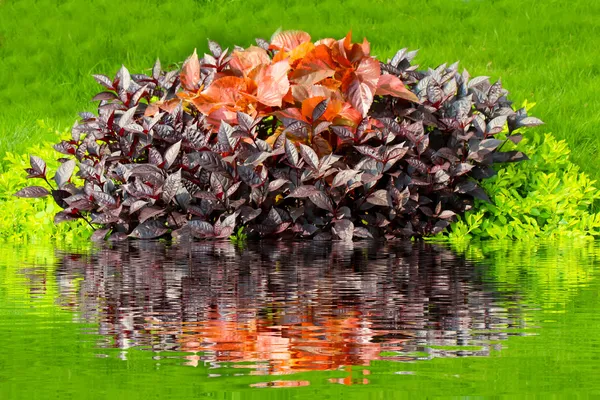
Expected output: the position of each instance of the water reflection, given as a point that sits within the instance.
(276, 308)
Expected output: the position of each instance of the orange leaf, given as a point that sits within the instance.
(273, 84)
(226, 89)
(348, 116)
(170, 105)
(391, 85)
(288, 40)
(316, 66)
(360, 85)
(329, 42)
(300, 51)
(292, 113)
(368, 71)
(242, 62)
(190, 73)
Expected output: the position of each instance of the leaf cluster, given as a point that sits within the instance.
(313, 140)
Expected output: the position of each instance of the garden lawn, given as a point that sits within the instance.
(544, 51)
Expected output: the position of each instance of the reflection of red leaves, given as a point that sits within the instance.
(391, 85)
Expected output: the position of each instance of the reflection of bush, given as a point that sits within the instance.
(287, 307)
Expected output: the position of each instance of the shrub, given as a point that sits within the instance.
(31, 220)
(289, 137)
(544, 198)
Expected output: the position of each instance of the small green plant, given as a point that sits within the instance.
(27, 220)
(239, 236)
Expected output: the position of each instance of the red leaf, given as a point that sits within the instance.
(190, 73)
(391, 85)
(288, 40)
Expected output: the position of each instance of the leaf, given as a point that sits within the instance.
(124, 78)
(64, 216)
(344, 230)
(343, 177)
(461, 169)
(249, 176)
(104, 199)
(64, 173)
(171, 186)
(291, 153)
(360, 95)
(277, 183)
(304, 191)
(362, 232)
(321, 200)
(190, 73)
(392, 86)
(529, 121)
(127, 117)
(32, 192)
(137, 205)
(225, 136)
(496, 125)
(201, 229)
(379, 198)
(215, 49)
(38, 165)
(247, 213)
(288, 40)
(156, 69)
(447, 214)
(309, 156)
(171, 154)
(245, 121)
(342, 132)
(477, 81)
(150, 212)
(60, 197)
(149, 230)
(319, 110)
(509, 156)
(104, 81)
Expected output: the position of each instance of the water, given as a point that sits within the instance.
(299, 320)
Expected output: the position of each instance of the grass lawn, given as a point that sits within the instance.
(545, 51)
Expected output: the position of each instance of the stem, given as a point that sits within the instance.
(49, 184)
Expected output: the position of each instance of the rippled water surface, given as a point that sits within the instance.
(270, 320)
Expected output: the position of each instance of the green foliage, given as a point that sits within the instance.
(31, 220)
(239, 237)
(545, 197)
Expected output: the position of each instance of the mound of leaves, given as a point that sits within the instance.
(288, 138)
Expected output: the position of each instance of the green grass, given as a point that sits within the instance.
(544, 51)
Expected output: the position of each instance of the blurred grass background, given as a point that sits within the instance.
(545, 51)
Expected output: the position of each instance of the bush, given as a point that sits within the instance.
(546, 197)
(290, 138)
(27, 220)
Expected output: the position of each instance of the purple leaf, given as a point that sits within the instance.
(379, 198)
(64, 173)
(32, 192)
(304, 191)
(149, 230)
(343, 229)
